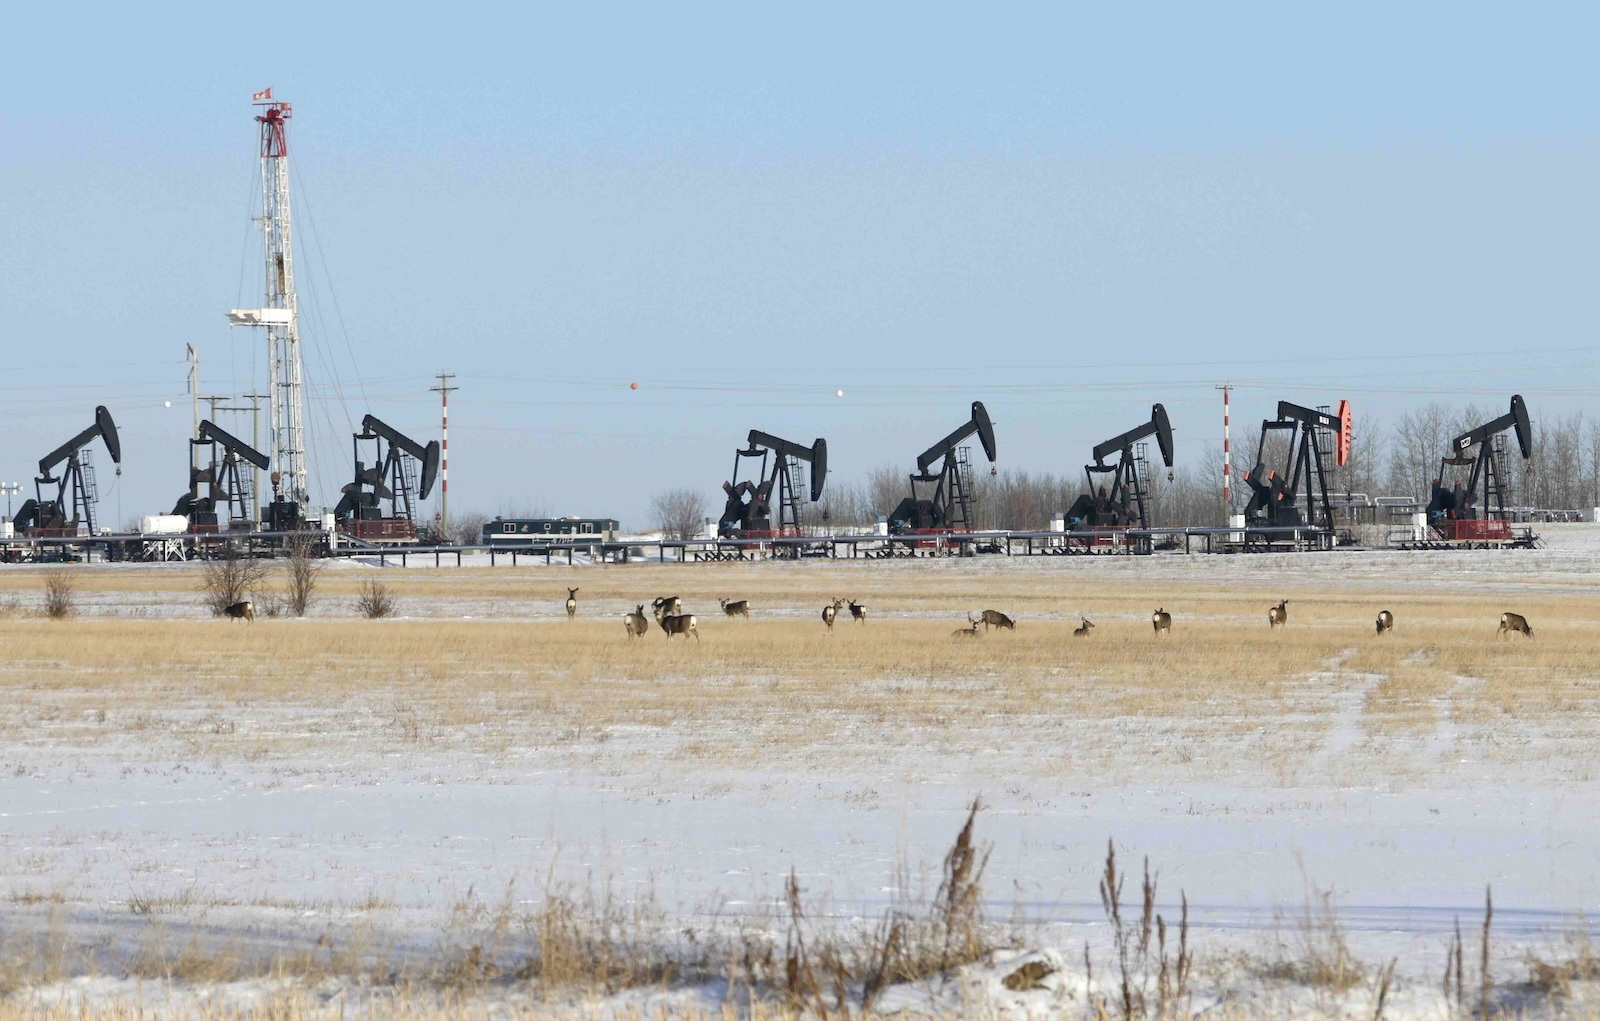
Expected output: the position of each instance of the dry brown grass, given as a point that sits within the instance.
(782, 683)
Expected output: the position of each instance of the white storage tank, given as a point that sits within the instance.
(163, 524)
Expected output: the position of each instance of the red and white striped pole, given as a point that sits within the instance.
(444, 389)
(1227, 456)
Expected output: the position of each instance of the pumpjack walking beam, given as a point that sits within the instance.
(390, 477)
(749, 503)
(1126, 502)
(1274, 500)
(74, 486)
(1485, 469)
(949, 506)
(222, 476)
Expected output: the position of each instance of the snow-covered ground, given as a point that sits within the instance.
(111, 841)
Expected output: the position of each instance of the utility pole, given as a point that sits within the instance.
(444, 389)
(194, 390)
(1227, 461)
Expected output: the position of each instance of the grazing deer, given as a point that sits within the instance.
(572, 603)
(858, 611)
(998, 619)
(247, 611)
(1278, 614)
(831, 611)
(679, 624)
(1514, 622)
(637, 623)
(970, 631)
(1162, 621)
(1385, 621)
(1082, 630)
(738, 608)
(666, 606)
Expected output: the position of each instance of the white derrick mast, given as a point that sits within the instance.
(281, 318)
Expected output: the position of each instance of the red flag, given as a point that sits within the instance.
(263, 94)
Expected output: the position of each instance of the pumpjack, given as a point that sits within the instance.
(748, 511)
(228, 487)
(1465, 513)
(941, 501)
(75, 491)
(1126, 503)
(1275, 497)
(392, 478)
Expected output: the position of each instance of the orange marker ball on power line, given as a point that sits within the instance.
(633, 386)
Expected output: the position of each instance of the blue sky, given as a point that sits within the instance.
(1066, 213)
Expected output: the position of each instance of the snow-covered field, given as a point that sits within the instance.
(367, 801)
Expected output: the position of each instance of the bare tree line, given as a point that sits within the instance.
(1398, 460)
(1401, 459)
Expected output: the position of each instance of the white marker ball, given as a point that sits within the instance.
(167, 403)
(838, 393)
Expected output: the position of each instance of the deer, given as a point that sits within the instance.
(665, 606)
(970, 631)
(637, 623)
(247, 611)
(1514, 622)
(572, 603)
(679, 624)
(1162, 621)
(737, 608)
(1385, 622)
(1278, 614)
(858, 611)
(1082, 630)
(997, 619)
(831, 611)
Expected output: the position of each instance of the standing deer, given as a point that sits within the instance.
(1278, 614)
(572, 603)
(665, 606)
(679, 624)
(998, 619)
(637, 623)
(1514, 622)
(1162, 621)
(1385, 621)
(738, 608)
(1082, 630)
(247, 611)
(858, 611)
(832, 611)
(970, 631)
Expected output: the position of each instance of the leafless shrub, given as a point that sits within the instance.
(823, 969)
(375, 600)
(1556, 978)
(269, 605)
(304, 568)
(679, 513)
(466, 529)
(230, 578)
(1321, 957)
(60, 594)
